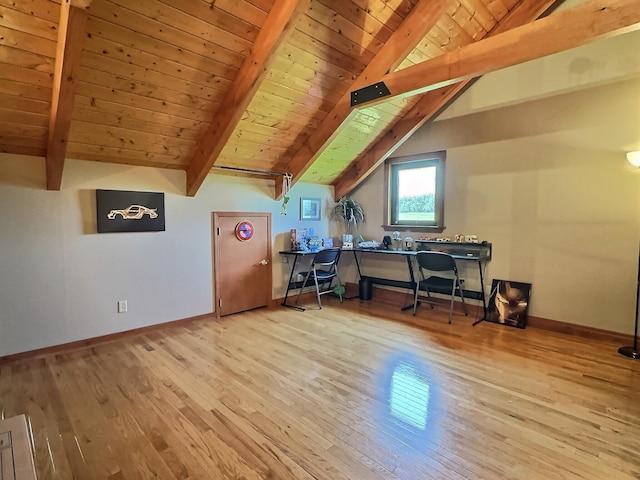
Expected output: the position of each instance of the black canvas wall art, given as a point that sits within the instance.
(509, 303)
(125, 211)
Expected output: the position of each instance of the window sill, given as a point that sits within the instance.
(412, 228)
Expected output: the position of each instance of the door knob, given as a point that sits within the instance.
(264, 262)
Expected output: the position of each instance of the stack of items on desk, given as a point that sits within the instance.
(303, 240)
(300, 239)
(347, 241)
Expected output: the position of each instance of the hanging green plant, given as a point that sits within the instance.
(285, 201)
(350, 212)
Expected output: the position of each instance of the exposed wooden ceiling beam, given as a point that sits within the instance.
(279, 24)
(429, 105)
(420, 20)
(73, 18)
(558, 32)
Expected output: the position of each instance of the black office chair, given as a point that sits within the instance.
(438, 262)
(324, 269)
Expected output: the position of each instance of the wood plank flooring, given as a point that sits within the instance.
(357, 390)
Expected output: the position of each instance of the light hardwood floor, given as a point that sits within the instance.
(353, 391)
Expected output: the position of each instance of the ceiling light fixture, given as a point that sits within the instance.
(634, 158)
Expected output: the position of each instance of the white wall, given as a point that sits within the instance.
(536, 165)
(60, 280)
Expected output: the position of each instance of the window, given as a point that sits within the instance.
(415, 192)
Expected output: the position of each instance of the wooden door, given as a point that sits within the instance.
(242, 261)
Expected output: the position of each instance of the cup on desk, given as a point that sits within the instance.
(346, 238)
(408, 243)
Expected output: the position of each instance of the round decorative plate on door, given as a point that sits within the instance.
(244, 231)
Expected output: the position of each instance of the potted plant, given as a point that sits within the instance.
(351, 213)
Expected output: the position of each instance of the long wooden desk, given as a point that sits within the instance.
(409, 283)
(481, 260)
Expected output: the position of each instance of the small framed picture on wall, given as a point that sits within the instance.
(309, 208)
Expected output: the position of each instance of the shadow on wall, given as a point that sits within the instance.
(22, 171)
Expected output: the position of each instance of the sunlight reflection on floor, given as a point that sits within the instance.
(408, 396)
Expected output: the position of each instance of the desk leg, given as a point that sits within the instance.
(286, 295)
(355, 256)
(484, 300)
(412, 278)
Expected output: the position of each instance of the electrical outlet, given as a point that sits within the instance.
(122, 306)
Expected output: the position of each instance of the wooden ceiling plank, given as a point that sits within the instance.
(70, 37)
(458, 37)
(382, 11)
(264, 5)
(27, 42)
(84, 132)
(143, 75)
(509, 4)
(360, 17)
(329, 39)
(555, 33)
(278, 76)
(31, 76)
(23, 150)
(120, 36)
(274, 114)
(157, 92)
(26, 91)
(247, 137)
(479, 12)
(24, 104)
(497, 8)
(45, 9)
(10, 115)
(31, 61)
(327, 54)
(296, 97)
(128, 123)
(26, 23)
(316, 77)
(143, 102)
(278, 26)
(162, 40)
(23, 141)
(245, 11)
(291, 105)
(106, 107)
(467, 21)
(421, 19)
(217, 17)
(337, 24)
(134, 51)
(131, 54)
(307, 58)
(11, 126)
(256, 128)
(168, 17)
(123, 156)
(428, 106)
(259, 153)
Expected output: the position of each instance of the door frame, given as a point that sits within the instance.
(216, 249)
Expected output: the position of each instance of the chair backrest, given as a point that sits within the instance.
(436, 261)
(327, 257)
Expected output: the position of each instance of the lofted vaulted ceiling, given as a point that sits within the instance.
(257, 85)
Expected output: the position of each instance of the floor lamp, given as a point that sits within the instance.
(632, 352)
